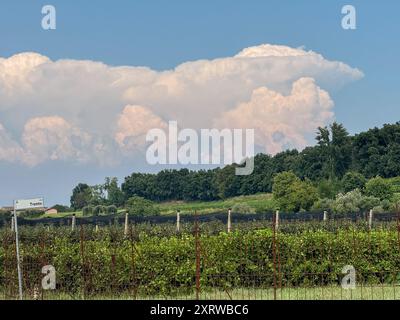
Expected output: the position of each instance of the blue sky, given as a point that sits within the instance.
(162, 35)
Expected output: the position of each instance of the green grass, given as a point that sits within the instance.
(259, 202)
(256, 202)
(376, 292)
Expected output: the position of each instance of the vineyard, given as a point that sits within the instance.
(258, 259)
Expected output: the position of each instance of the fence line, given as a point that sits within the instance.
(221, 216)
(127, 266)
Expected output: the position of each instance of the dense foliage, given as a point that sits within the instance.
(154, 265)
(337, 157)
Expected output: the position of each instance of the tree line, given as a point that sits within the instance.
(372, 153)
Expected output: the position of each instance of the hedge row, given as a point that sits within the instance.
(154, 265)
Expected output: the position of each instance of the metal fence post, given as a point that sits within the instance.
(18, 256)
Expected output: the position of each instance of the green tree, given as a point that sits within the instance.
(328, 188)
(292, 194)
(283, 183)
(81, 196)
(98, 195)
(353, 180)
(227, 182)
(349, 202)
(115, 196)
(304, 195)
(324, 204)
(379, 188)
(141, 207)
(335, 145)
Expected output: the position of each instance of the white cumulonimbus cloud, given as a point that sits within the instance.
(133, 125)
(53, 138)
(282, 121)
(86, 111)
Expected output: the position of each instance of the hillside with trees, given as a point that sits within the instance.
(338, 164)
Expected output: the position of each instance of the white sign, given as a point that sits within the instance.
(28, 204)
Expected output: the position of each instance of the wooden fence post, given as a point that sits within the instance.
(178, 221)
(370, 219)
(325, 215)
(73, 222)
(229, 220)
(126, 229)
(277, 219)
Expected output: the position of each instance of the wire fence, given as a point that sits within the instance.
(107, 220)
(265, 259)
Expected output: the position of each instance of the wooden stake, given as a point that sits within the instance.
(371, 213)
(277, 219)
(126, 229)
(178, 221)
(73, 222)
(229, 220)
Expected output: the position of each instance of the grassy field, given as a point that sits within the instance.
(255, 202)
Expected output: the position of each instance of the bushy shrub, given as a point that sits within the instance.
(348, 203)
(378, 209)
(98, 210)
(328, 188)
(292, 194)
(395, 206)
(31, 213)
(166, 265)
(367, 203)
(353, 180)
(395, 182)
(4, 214)
(386, 205)
(87, 211)
(322, 205)
(354, 201)
(142, 207)
(379, 188)
(111, 209)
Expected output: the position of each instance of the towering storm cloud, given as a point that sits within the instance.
(86, 111)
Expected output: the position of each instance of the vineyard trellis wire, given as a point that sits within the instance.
(302, 259)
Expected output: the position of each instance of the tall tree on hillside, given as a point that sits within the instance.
(115, 196)
(81, 196)
(335, 144)
(377, 151)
